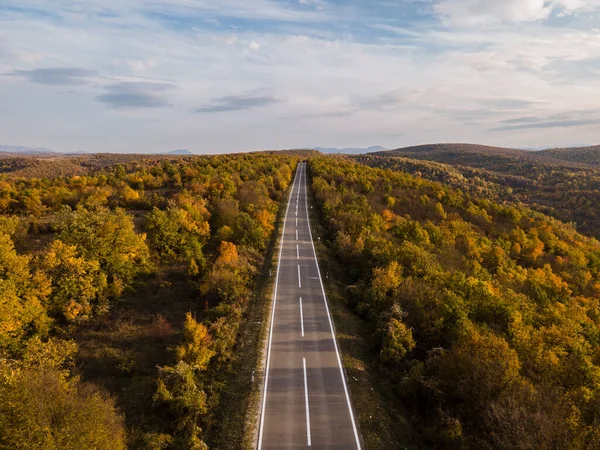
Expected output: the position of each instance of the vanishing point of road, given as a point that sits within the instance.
(305, 402)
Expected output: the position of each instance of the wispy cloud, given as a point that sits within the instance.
(237, 103)
(551, 124)
(522, 120)
(136, 95)
(481, 12)
(56, 76)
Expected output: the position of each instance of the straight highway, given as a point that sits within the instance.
(305, 400)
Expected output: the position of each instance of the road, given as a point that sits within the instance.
(305, 403)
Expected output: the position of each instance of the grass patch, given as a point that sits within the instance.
(383, 424)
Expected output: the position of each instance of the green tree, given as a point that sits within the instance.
(41, 409)
(78, 285)
(175, 233)
(180, 392)
(110, 239)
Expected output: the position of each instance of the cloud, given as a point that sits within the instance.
(551, 124)
(509, 104)
(56, 76)
(522, 120)
(136, 95)
(481, 12)
(237, 103)
(142, 66)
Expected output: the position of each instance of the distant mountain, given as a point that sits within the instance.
(24, 150)
(351, 150)
(181, 151)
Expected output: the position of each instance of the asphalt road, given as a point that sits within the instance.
(305, 400)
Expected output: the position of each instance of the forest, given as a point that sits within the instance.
(485, 312)
(124, 282)
(562, 183)
(131, 294)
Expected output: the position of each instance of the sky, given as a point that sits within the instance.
(217, 76)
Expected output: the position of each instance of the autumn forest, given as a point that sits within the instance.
(133, 293)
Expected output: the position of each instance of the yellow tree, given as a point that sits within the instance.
(195, 349)
(78, 285)
(21, 297)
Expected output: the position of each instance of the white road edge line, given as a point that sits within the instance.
(299, 279)
(337, 352)
(306, 397)
(301, 318)
(264, 400)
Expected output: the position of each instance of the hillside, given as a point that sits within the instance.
(350, 150)
(508, 160)
(568, 190)
(585, 155)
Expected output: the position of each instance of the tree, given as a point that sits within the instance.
(175, 233)
(78, 285)
(110, 239)
(396, 342)
(41, 409)
(22, 295)
(180, 392)
(195, 349)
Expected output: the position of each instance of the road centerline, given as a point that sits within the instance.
(307, 407)
(301, 318)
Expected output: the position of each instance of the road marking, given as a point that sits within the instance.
(301, 317)
(337, 352)
(264, 400)
(299, 280)
(296, 234)
(306, 398)
(296, 221)
(297, 251)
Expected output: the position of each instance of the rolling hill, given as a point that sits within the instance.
(585, 155)
(482, 156)
(563, 183)
(351, 150)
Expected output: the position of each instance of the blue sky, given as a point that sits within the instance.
(237, 75)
